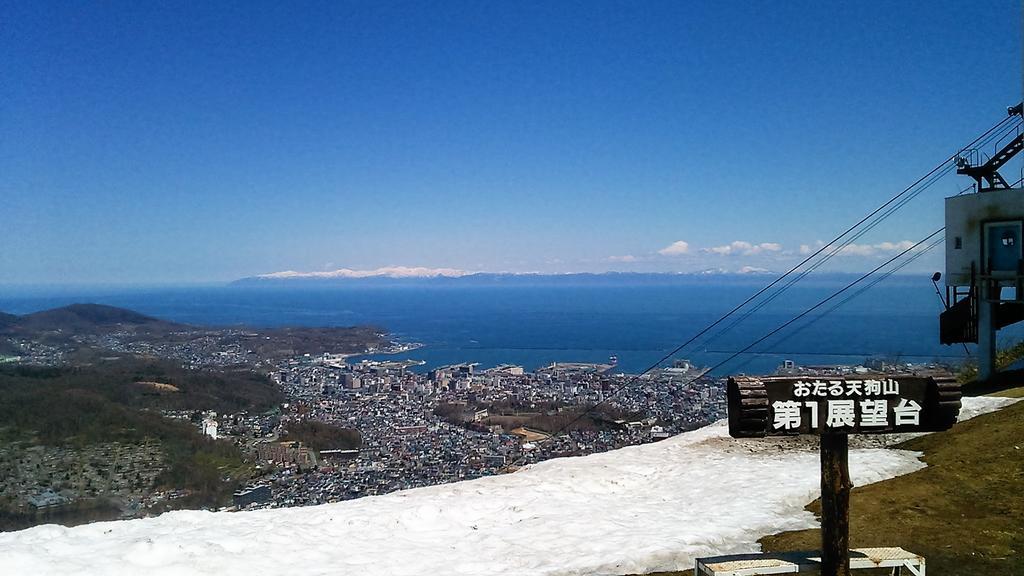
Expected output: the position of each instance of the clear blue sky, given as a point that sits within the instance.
(203, 141)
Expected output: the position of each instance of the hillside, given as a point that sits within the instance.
(84, 327)
(635, 510)
(321, 436)
(7, 319)
(86, 315)
(79, 413)
(127, 382)
(83, 318)
(61, 325)
(68, 412)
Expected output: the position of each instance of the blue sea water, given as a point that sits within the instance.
(534, 325)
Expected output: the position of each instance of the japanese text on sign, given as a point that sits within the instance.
(845, 404)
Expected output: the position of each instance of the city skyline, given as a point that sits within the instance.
(186, 143)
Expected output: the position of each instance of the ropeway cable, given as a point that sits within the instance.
(832, 253)
(821, 249)
(886, 209)
(992, 135)
(999, 125)
(862, 290)
(745, 349)
(870, 285)
(821, 303)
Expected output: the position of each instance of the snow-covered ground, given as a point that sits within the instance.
(634, 510)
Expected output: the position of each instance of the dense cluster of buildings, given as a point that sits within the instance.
(456, 422)
(27, 351)
(193, 348)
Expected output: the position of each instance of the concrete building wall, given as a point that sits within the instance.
(966, 217)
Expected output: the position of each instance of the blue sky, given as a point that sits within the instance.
(190, 142)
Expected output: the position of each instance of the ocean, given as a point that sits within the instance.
(534, 324)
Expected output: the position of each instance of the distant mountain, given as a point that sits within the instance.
(62, 325)
(498, 279)
(81, 318)
(745, 276)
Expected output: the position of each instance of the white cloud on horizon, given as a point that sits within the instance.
(625, 258)
(676, 248)
(740, 257)
(861, 250)
(864, 250)
(743, 248)
(882, 248)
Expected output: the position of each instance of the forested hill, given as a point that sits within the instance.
(143, 383)
(80, 413)
(82, 319)
(79, 324)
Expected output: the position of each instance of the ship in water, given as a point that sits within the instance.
(683, 368)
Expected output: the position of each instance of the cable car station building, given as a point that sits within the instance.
(984, 258)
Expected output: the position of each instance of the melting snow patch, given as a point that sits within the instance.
(640, 509)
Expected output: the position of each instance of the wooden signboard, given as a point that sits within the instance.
(863, 405)
(834, 408)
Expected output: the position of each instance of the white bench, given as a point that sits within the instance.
(795, 562)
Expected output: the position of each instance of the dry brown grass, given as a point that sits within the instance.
(162, 387)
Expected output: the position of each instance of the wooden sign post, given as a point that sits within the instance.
(835, 504)
(834, 408)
